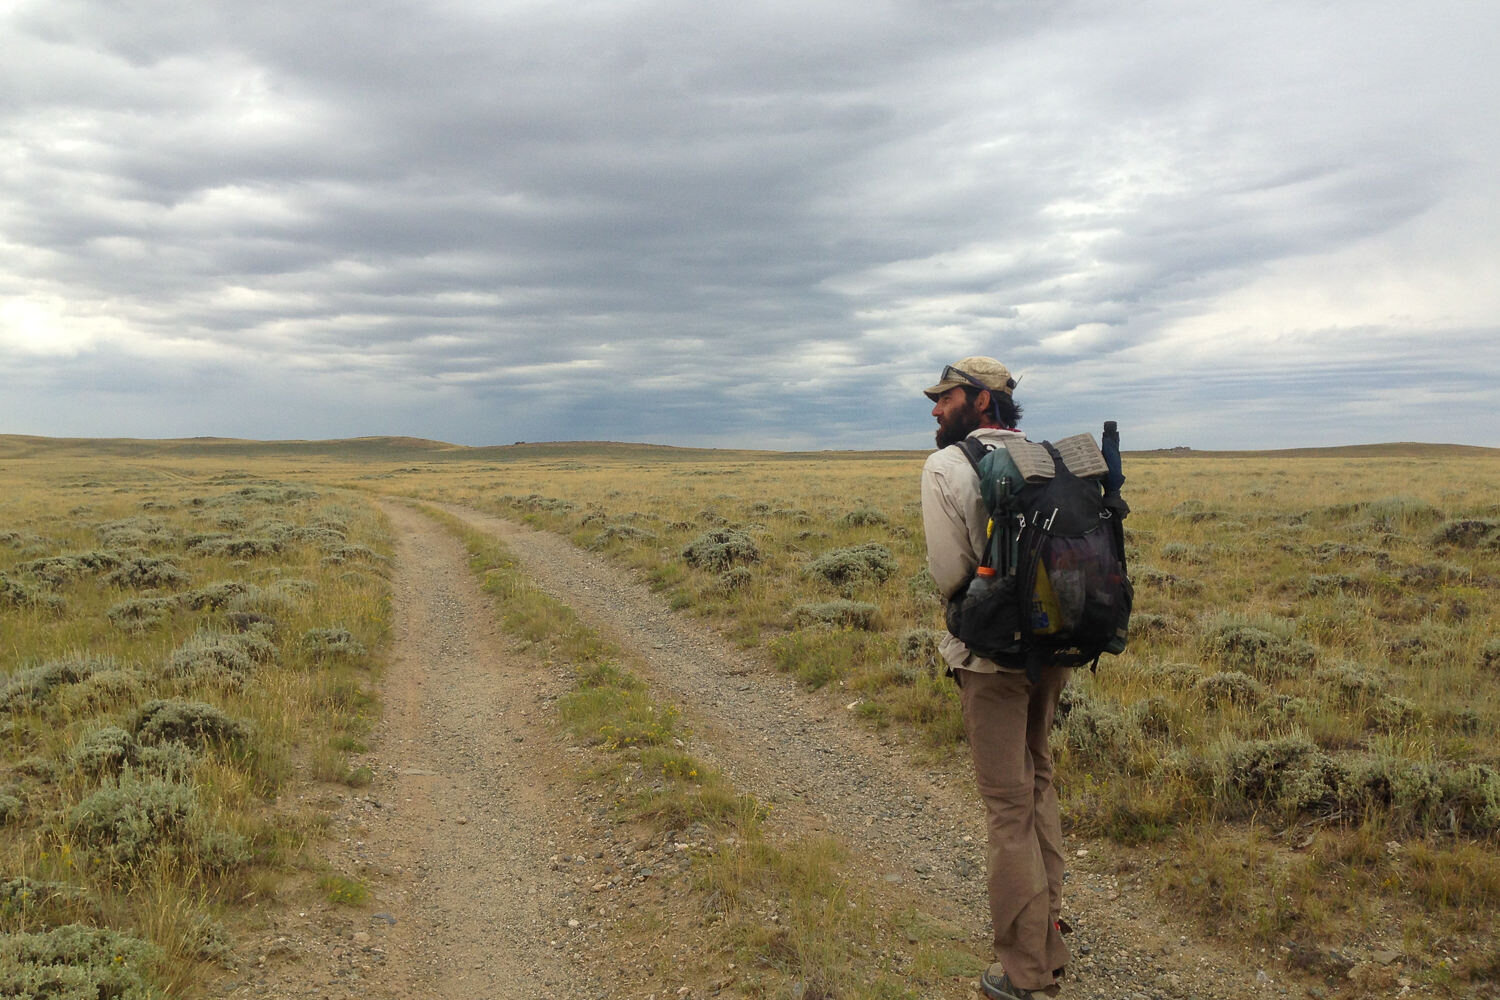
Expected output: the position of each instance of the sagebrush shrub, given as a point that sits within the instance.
(141, 614)
(102, 690)
(147, 572)
(1390, 514)
(1351, 684)
(1290, 774)
(864, 516)
(131, 819)
(1467, 533)
(1332, 583)
(225, 659)
(1258, 650)
(1230, 687)
(617, 532)
(1471, 797)
(169, 761)
(1408, 789)
(919, 647)
(274, 601)
(270, 493)
(1173, 675)
(1426, 574)
(59, 569)
(330, 643)
(109, 750)
(734, 578)
(235, 546)
(1154, 716)
(1094, 730)
(31, 687)
(870, 562)
(192, 723)
(324, 536)
(74, 962)
(837, 614)
(44, 902)
(103, 751)
(12, 807)
(353, 553)
(1389, 713)
(1147, 624)
(136, 533)
(923, 586)
(20, 594)
(1285, 712)
(215, 596)
(720, 549)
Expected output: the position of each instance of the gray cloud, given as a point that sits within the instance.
(768, 225)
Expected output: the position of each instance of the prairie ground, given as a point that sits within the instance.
(1298, 750)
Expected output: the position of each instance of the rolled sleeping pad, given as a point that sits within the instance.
(1111, 449)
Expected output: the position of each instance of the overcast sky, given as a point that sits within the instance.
(754, 224)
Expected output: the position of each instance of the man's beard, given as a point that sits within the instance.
(958, 428)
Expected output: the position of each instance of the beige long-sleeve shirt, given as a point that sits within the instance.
(954, 521)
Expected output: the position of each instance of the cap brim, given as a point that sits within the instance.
(935, 391)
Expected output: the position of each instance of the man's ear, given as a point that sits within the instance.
(982, 401)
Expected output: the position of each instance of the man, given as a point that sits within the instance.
(1007, 718)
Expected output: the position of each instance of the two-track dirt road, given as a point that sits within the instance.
(493, 876)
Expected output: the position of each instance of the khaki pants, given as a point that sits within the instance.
(1008, 720)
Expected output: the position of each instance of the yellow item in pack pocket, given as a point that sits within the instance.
(1046, 613)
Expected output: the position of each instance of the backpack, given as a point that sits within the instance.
(1052, 588)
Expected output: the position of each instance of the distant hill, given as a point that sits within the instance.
(410, 449)
(1394, 449)
(358, 449)
(365, 449)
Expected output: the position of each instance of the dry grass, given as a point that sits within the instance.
(160, 689)
(1302, 738)
(1314, 663)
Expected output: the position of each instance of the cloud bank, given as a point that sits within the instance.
(771, 226)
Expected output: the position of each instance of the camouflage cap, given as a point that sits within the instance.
(982, 373)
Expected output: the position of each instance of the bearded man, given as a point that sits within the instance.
(1007, 717)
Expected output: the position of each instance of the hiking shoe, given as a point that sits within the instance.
(996, 984)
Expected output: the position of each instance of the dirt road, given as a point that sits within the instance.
(494, 876)
(464, 834)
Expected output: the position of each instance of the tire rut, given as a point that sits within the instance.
(459, 835)
(470, 768)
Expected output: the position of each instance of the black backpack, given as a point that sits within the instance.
(1052, 589)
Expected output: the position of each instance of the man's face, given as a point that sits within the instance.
(956, 416)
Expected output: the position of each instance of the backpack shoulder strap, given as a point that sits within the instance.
(974, 450)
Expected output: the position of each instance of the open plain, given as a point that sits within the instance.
(392, 718)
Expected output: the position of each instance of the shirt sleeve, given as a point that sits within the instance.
(946, 516)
